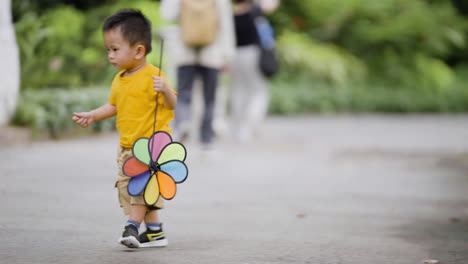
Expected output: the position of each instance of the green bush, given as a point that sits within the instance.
(405, 43)
(51, 110)
(305, 94)
(62, 47)
(321, 60)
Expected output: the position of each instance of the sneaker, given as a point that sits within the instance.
(151, 238)
(130, 237)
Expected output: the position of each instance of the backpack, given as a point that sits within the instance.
(268, 60)
(199, 22)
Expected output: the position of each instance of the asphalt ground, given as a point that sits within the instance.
(310, 189)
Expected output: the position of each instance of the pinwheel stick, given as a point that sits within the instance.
(157, 94)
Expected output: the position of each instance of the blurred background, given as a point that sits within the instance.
(314, 187)
(336, 56)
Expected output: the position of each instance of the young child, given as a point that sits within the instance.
(127, 36)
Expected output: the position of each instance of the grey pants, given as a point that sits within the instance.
(249, 94)
(185, 78)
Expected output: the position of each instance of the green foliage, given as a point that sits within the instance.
(51, 110)
(433, 73)
(63, 47)
(326, 61)
(366, 55)
(383, 34)
(303, 94)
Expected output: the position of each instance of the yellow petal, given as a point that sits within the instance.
(151, 195)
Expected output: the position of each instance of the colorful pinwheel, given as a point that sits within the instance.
(156, 166)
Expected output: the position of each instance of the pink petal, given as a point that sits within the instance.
(157, 142)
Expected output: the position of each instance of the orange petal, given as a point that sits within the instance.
(167, 186)
(132, 167)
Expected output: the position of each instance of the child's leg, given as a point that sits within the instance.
(152, 216)
(154, 235)
(134, 206)
(130, 235)
(137, 212)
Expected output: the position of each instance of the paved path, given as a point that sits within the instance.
(316, 189)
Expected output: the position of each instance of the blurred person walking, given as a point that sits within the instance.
(249, 93)
(205, 45)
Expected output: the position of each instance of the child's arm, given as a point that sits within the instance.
(159, 85)
(84, 119)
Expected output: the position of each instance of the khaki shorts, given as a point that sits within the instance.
(125, 199)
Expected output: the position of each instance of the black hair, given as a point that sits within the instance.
(134, 25)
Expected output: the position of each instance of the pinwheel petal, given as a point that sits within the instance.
(137, 184)
(173, 151)
(133, 167)
(167, 186)
(151, 195)
(140, 150)
(157, 142)
(176, 169)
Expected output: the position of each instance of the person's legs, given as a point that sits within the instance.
(152, 216)
(133, 206)
(242, 88)
(130, 234)
(183, 114)
(154, 235)
(210, 82)
(137, 212)
(257, 105)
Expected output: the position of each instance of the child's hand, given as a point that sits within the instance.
(159, 85)
(84, 119)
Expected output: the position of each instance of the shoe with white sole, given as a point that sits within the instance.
(130, 237)
(153, 238)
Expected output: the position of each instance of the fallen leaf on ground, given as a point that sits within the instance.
(300, 215)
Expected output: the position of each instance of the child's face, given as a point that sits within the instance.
(119, 52)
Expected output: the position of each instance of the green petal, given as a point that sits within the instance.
(140, 150)
(173, 151)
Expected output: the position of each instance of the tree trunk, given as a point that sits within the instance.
(9, 65)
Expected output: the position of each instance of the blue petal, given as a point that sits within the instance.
(176, 169)
(137, 184)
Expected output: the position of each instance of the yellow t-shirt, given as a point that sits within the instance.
(135, 101)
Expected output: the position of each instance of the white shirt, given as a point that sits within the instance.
(215, 55)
